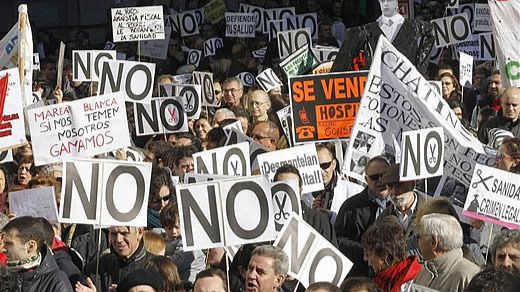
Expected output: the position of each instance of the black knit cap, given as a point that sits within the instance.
(140, 277)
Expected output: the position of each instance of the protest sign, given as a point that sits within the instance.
(228, 160)
(324, 106)
(36, 61)
(304, 157)
(268, 80)
(453, 3)
(323, 68)
(212, 219)
(396, 101)
(36, 202)
(422, 154)
(301, 61)
(157, 49)
(286, 200)
(302, 21)
(194, 57)
(105, 192)
(312, 258)
(465, 70)
(487, 46)
(205, 79)
(494, 196)
(257, 11)
(190, 177)
(80, 128)
(241, 25)
(325, 54)
(59, 67)
(285, 118)
(468, 9)
(12, 129)
(480, 46)
(6, 156)
(276, 14)
(86, 65)
(135, 79)
(137, 23)
(451, 30)
(504, 16)
(235, 125)
(290, 41)
(186, 23)
(247, 79)
(183, 78)
(236, 136)
(162, 115)
(212, 45)
(214, 11)
(192, 101)
(482, 18)
(260, 53)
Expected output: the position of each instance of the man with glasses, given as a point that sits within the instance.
(361, 211)
(259, 105)
(233, 91)
(507, 118)
(266, 134)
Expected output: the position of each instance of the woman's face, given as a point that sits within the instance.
(377, 263)
(23, 174)
(202, 128)
(447, 86)
(503, 160)
(161, 199)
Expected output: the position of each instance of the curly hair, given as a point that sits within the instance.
(512, 147)
(386, 240)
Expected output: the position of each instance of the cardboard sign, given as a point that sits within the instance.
(312, 258)
(236, 136)
(194, 57)
(212, 45)
(290, 41)
(36, 61)
(302, 21)
(468, 9)
(86, 65)
(285, 118)
(186, 23)
(37, 202)
(191, 178)
(482, 19)
(301, 61)
(257, 11)
(325, 54)
(494, 196)
(105, 192)
(241, 25)
(268, 80)
(304, 157)
(324, 106)
(286, 200)
(451, 30)
(135, 79)
(12, 129)
(465, 70)
(6, 156)
(81, 128)
(422, 154)
(385, 114)
(205, 79)
(487, 46)
(260, 53)
(247, 79)
(453, 3)
(157, 49)
(214, 11)
(137, 23)
(162, 115)
(229, 212)
(276, 14)
(228, 160)
(192, 95)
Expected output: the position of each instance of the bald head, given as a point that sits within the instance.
(510, 102)
(266, 134)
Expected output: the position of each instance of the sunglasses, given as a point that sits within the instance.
(326, 165)
(164, 199)
(375, 176)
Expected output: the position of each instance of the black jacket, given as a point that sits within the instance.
(364, 39)
(354, 217)
(46, 277)
(320, 221)
(498, 122)
(113, 268)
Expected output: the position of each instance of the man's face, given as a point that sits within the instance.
(495, 84)
(510, 103)
(15, 249)
(508, 258)
(400, 194)
(374, 172)
(327, 165)
(259, 104)
(125, 240)
(262, 135)
(209, 284)
(185, 166)
(388, 7)
(218, 90)
(232, 93)
(425, 246)
(260, 275)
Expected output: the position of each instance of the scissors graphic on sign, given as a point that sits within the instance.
(482, 180)
(282, 213)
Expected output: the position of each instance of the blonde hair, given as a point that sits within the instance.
(154, 242)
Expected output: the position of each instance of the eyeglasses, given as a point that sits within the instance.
(326, 165)
(375, 176)
(232, 90)
(164, 199)
(256, 103)
(500, 156)
(260, 137)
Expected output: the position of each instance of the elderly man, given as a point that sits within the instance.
(505, 250)
(233, 91)
(440, 242)
(210, 280)
(267, 269)
(266, 134)
(259, 105)
(361, 211)
(222, 114)
(507, 118)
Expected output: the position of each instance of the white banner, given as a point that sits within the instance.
(241, 25)
(12, 129)
(81, 128)
(137, 23)
(228, 160)
(86, 65)
(422, 154)
(105, 192)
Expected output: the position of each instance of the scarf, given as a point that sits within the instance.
(154, 219)
(29, 263)
(398, 274)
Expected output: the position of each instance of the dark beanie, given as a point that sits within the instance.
(140, 277)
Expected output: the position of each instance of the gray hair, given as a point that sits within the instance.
(281, 260)
(446, 228)
(504, 238)
(234, 79)
(227, 113)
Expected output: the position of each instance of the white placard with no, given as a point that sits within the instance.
(422, 154)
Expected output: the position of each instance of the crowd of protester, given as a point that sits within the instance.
(394, 234)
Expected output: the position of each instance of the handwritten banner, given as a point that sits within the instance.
(137, 23)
